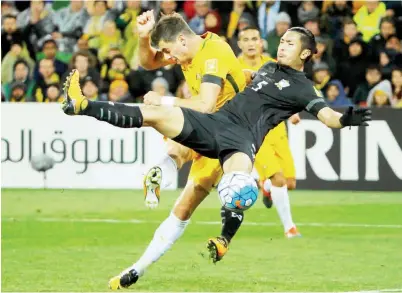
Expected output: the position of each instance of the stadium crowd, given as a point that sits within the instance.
(359, 56)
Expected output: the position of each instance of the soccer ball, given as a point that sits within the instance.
(237, 191)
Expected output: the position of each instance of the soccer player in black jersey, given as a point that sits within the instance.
(234, 133)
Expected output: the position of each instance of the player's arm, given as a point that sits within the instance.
(205, 102)
(315, 104)
(149, 57)
(249, 74)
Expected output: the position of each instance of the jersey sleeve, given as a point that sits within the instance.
(216, 63)
(312, 100)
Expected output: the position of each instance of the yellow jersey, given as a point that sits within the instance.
(263, 59)
(215, 62)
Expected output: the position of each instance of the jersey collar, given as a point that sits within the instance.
(289, 70)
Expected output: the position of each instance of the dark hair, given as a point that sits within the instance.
(348, 20)
(307, 39)
(20, 61)
(84, 53)
(9, 16)
(168, 28)
(248, 28)
(119, 56)
(373, 67)
(389, 19)
(49, 41)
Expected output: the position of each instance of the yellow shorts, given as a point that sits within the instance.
(274, 155)
(204, 171)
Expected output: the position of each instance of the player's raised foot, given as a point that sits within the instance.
(217, 248)
(124, 280)
(152, 182)
(266, 196)
(75, 102)
(292, 233)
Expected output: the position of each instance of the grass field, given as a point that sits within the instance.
(57, 240)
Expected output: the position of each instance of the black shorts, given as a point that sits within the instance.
(215, 135)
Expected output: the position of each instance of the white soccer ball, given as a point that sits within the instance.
(237, 191)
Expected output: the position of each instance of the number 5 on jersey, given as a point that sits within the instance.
(259, 85)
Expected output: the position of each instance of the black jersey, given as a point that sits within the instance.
(276, 93)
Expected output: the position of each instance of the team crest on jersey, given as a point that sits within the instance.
(282, 84)
(211, 66)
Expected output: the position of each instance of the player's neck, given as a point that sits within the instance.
(194, 43)
(252, 60)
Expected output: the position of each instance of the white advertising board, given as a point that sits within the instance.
(88, 153)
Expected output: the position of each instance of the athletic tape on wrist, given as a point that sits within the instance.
(168, 101)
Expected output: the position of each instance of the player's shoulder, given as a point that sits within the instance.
(266, 58)
(214, 45)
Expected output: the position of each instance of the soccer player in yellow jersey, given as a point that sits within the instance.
(274, 161)
(214, 76)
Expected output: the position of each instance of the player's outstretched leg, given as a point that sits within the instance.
(167, 121)
(218, 246)
(165, 236)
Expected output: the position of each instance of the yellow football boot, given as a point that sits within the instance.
(75, 102)
(217, 247)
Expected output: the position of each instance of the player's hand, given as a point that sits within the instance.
(295, 118)
(145, 23)
(355, 117)
(152, 98)
(249, 74)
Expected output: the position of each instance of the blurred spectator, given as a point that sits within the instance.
(335, 95)
(85, 63)
(321, 76)
(341, 48)
(388, 58)
(119, 70)
(118, 92)
(335, 14)
(99, 14)
(240, 13)
(205, 18)
(7, 64)
(189, 9)
(10, 34)
(18, 92)
(70, 22)
(168, 7)
(352, 71)
(377, 43)
(161, 86)
(321, 56)
(397, 87)
(373, 77)
(380, 95)
(53, 94)
(8, 8)
(267, 13)
(110, 37)
(47, 75)
(90, 89)
(282, 24)
(21, 75)
(140, 80)
(394, 43)
(368, 17)
(314, 26)
(127, 23)
(307, 11)
(37, 21)
(50, 52)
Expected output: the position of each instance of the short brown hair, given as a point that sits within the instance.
(168, 28)
(348, 20)
(84, 53)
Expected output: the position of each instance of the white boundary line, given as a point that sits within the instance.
(136, 221)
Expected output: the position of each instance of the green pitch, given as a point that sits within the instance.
(66, 241)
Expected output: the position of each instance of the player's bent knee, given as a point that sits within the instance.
(291, 183)
(278, 179)
(237, 162)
